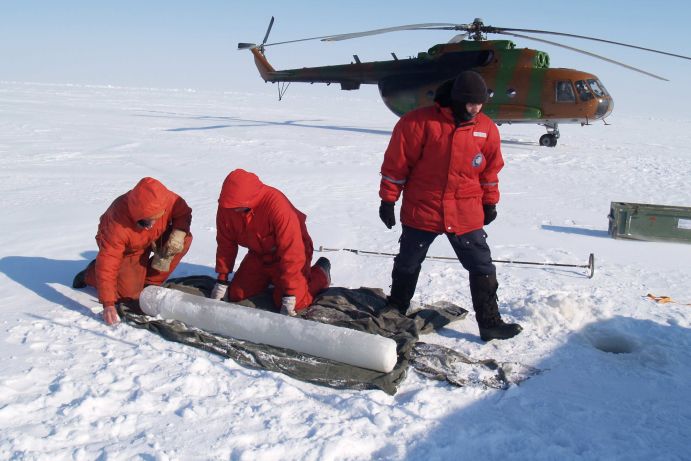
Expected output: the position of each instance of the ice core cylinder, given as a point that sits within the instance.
(258, 326)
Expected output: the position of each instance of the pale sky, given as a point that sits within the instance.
(176, 44)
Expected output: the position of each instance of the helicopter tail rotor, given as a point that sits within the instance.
(250, 46)
(266, 36)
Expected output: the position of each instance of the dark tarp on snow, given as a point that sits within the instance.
(360, 309)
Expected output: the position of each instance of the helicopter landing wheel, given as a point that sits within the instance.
(548, 140)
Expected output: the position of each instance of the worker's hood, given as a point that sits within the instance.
(148, 198)
(241, 189)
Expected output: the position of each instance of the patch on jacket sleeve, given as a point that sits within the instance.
(480, 134)
(477, 160)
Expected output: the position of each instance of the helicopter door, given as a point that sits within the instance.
(564, 92)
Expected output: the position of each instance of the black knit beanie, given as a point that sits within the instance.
(470, 87)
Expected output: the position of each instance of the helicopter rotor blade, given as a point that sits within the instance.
(501, 30)
(297, 41)
(635, 69)
(477, 27)
(386, 30)
(339, 37)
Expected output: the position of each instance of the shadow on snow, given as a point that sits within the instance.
(237, 122)
(38, 274)
(616, 389)
(577, 230)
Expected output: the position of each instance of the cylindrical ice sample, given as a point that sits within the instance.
(258, 326)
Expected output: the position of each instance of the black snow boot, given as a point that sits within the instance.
(402, 290)
(325, 265)
(483, 290)
(78, 281)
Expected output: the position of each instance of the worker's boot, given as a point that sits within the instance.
(79, 280)
(483, 290)
(402, 290)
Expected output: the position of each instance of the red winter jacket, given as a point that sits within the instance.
(445, 173)
(119, 235)
(273, 229)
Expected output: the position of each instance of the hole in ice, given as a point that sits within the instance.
(613, 343)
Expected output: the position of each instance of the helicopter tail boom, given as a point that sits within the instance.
(265, 69)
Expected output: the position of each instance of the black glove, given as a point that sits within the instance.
(387, 215)
(490, 213)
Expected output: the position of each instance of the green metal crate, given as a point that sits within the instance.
(640, 221)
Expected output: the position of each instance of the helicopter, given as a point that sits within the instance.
(522, 87)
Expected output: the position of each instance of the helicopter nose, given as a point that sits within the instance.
(604, 107)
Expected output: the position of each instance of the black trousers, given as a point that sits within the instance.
(470, 248)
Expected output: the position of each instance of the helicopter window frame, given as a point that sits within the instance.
(583, 90)
(564, 92)
(597, 88)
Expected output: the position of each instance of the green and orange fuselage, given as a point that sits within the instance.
(524, 88)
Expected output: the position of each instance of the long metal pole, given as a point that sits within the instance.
(590, 266)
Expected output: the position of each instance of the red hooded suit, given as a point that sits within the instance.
(446, 173)
(262, 219)
(122, 265)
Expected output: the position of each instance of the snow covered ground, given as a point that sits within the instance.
(616, 374)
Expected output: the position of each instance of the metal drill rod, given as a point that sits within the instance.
(590, 266)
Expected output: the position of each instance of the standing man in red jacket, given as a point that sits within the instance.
(147, 219)
(445, 160)
(262, 219)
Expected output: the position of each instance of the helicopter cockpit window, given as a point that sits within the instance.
(583, 91)
(597, 88)
(565, 91)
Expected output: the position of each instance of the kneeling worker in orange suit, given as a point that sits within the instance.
(262, 219)
(147, 218)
